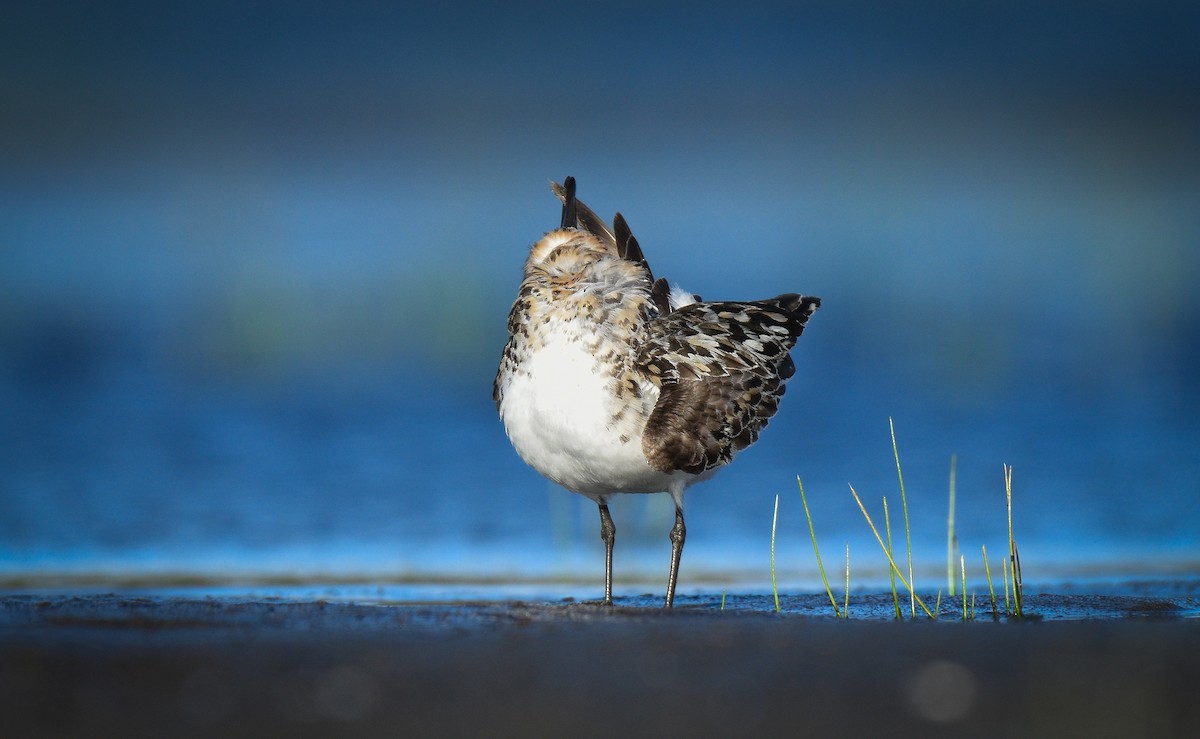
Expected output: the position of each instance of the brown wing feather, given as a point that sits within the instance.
(660, 295)
(721, 368)
(627, 244)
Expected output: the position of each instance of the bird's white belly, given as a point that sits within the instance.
(558, 408)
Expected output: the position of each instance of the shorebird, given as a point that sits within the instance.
(613, 382)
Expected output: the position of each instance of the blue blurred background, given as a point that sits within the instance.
(255, 262)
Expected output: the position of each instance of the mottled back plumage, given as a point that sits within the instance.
(723, 368)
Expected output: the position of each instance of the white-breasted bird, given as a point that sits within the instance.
(612, 382)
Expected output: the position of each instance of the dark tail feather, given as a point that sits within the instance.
(660, 293)
(798, 309)
(570, 218)
(627, 244)
(580, 215)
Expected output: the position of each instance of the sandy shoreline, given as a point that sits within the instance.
(103, 665)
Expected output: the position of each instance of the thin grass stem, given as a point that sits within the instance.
(904, 505)
(1018, 584)
(887, 526)
(1007, 605)
(962, 563)
(774, 585)
(951, 541)
(916, 599)
(1018, 610)
(812, 532)
(846, 606)
(987, 569)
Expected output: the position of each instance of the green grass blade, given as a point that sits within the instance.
(962, 563)
(1014, 558)
(916, 599)
(1007, 605)
(816, 550)
(907, 535)
(846, 607)
(774, 585)
(987, 569)
(951, 541)
(1018, 586)
(887, 526)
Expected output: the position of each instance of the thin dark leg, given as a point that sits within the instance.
(678, 534)
(608, 532)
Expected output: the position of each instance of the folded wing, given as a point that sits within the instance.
(721, 369)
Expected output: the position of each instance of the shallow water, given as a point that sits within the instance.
(345, 609)
(138, 474)
(249, 322)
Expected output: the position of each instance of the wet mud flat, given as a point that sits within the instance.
(103, 665)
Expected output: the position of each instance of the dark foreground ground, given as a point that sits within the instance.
(121, 666)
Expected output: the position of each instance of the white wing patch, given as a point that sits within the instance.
(680, 297)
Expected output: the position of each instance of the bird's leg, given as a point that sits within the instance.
(608, 532)
(678, 534)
